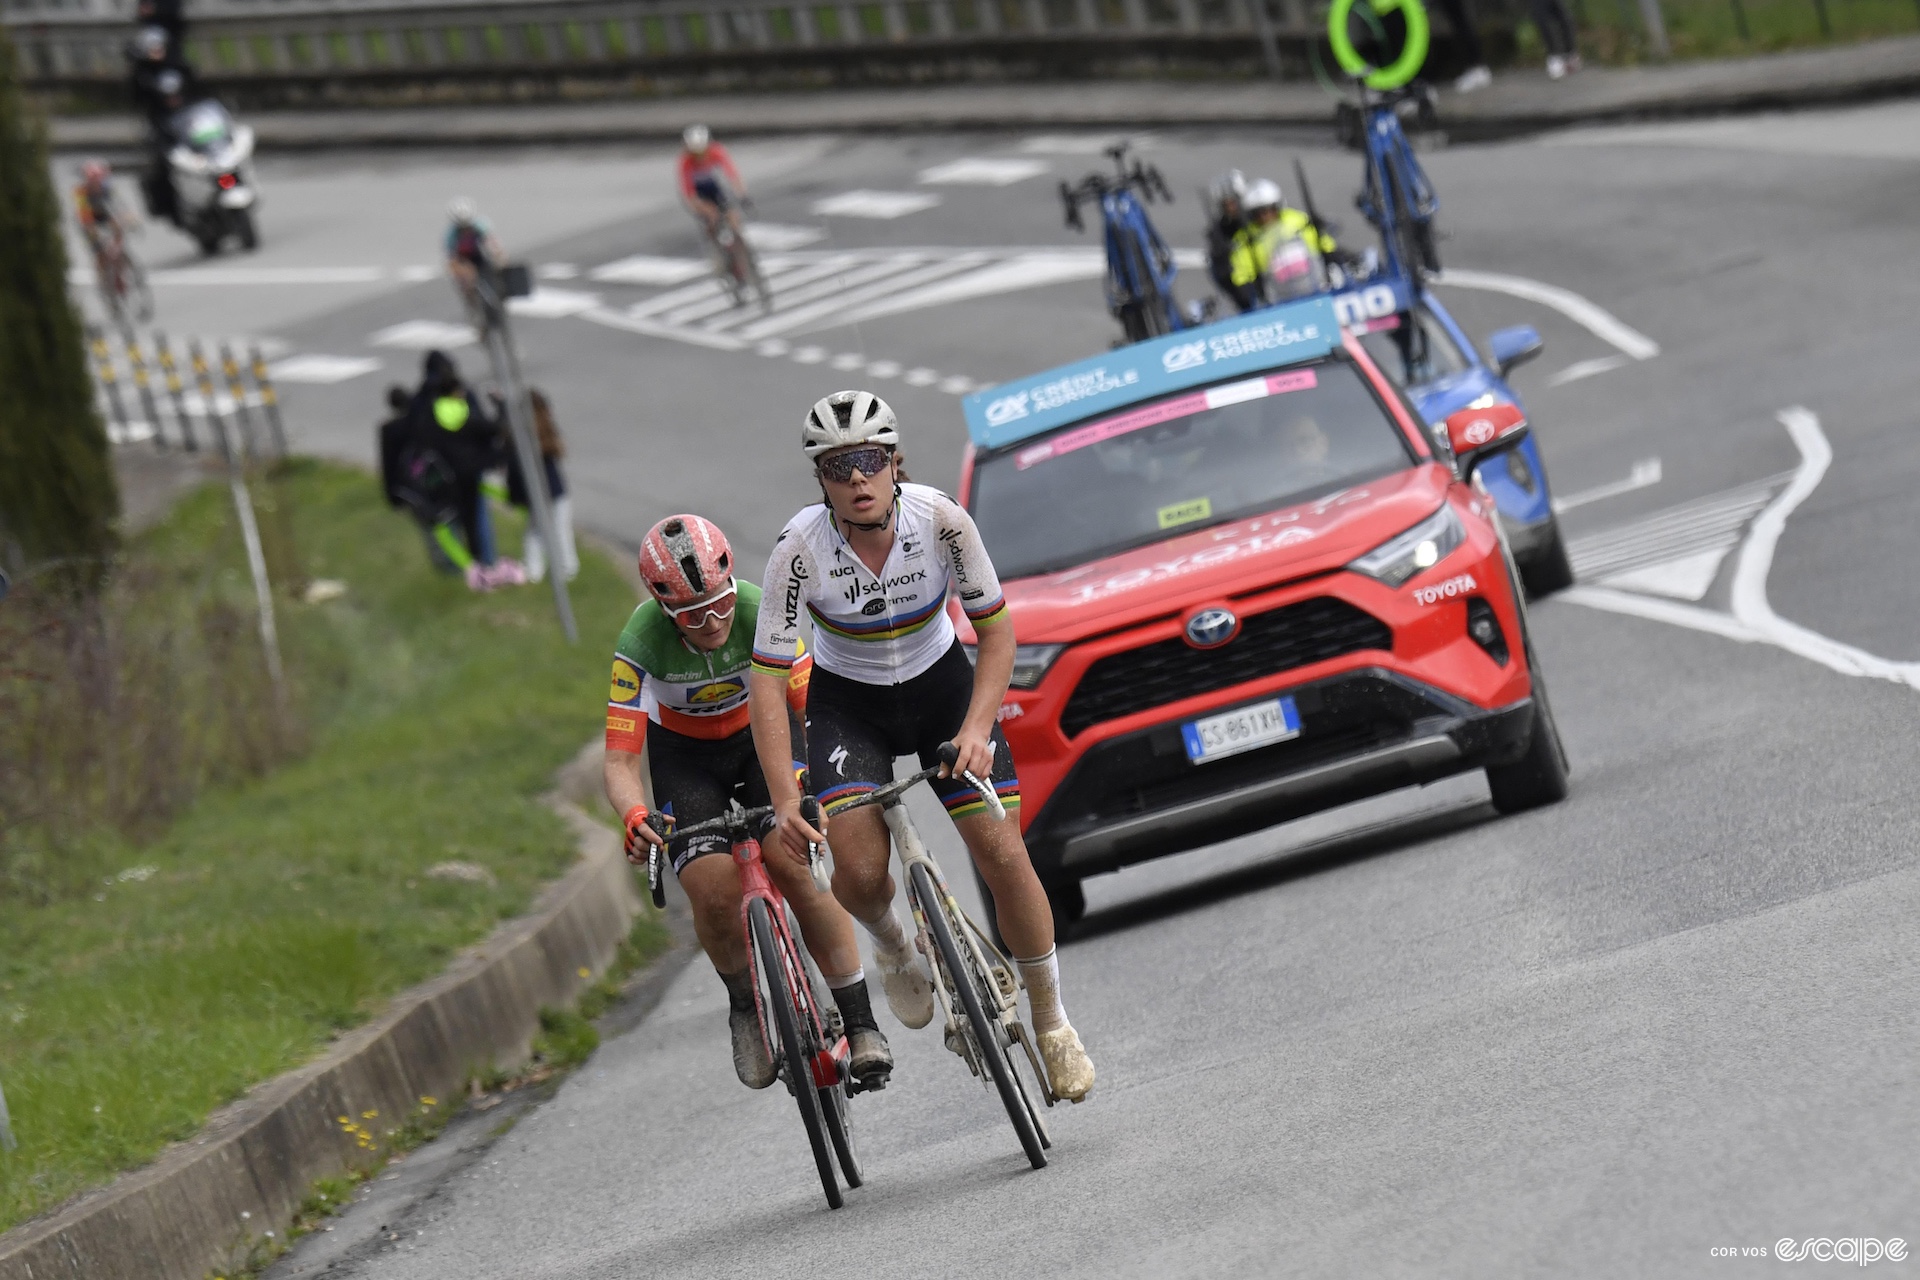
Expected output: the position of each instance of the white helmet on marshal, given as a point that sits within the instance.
(848, 417)
(1262, 193)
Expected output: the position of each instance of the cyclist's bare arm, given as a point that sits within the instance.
(773, 744)
(622, 775)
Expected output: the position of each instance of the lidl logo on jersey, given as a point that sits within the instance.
(718, 691)
(626, 682)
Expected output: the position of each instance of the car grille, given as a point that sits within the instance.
(1169, 670)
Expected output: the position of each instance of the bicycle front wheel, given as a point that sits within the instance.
(776, 977)
(962, 977)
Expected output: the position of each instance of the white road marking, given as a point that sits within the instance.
(809, 355)
(640, 324)
(847, 361)
(883, 369)
(982, 171)
(1590, 316)
(1645, 473)
(269, 275)
(645, 268)
(1712, 523)
(880, 205)
(557, 271)
(1753, 618)
(552, 303)
(323, 370)
(1022, 271)
(776, 237)
(843, 301)
(418, 275)
(1686, 578)
(1082, 144)
(422, 335)
(1585, 369)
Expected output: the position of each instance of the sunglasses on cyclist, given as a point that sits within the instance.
(698, 615)
(869, 460)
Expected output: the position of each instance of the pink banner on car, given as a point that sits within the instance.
(1165, 411)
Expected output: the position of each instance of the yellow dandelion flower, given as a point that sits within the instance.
(429, 1102)
(368, 1115)
(344, 1120)
(585, 972)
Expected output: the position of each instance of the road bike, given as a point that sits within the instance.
(123, 282)
(1140, 266)
(1397, 197)
(803, 1033)
(977, 986)
(734, 259)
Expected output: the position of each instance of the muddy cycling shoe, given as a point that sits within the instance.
(909, 988)
(1069, 1069)
(872, 1061)
(750, 1060)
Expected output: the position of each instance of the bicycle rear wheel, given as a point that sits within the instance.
(962, 977)
(833, 1106)
(776, 973)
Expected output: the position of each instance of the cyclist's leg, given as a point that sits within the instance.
(827, 928)
(692, 778)
(850, 756)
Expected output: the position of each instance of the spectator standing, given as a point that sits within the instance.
(448, 422)
(1557, 33)
(1477, 75)
(533, 550)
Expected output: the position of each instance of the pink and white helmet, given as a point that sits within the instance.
(684, 560)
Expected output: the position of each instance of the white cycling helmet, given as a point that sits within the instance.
(848, 417)
(462, 211)
(696, 137)
(1262, 193)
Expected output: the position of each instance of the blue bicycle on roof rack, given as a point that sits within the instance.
(1397, 197)
(1140, 266)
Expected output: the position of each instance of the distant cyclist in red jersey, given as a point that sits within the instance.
(709, 183)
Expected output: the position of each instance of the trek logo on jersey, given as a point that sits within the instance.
(718, 691)
(626, 682)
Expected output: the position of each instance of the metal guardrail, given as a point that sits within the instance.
(80, 41)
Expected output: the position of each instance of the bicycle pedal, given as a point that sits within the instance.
(872, 1082)
(1003, 979)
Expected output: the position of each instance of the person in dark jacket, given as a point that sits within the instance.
(447, 421)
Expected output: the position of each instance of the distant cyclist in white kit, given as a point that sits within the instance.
(872, 565)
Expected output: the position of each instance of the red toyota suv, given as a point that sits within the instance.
(1247, 585)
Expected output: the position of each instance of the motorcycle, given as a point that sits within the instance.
(211, 162)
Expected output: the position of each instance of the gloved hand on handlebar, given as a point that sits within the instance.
(640, 835)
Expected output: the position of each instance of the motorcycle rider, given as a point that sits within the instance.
(1269, 225)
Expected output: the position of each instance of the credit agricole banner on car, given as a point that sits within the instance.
(1267, 339)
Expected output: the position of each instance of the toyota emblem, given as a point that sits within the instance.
(1211, 628)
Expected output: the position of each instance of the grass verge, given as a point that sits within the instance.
(274, 913)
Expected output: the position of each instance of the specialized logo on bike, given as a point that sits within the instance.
(1413, 48)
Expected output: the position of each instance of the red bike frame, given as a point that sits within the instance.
(829, 1065)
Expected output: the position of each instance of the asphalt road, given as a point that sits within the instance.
(1676, 1013)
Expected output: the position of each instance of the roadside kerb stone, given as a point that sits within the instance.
(201, 1204)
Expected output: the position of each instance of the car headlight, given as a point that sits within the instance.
(1416, 550)
(1030, 662)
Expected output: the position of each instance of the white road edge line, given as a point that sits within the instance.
(1752, 618)
(1645, 472)
(698, 337)
(1590, 316)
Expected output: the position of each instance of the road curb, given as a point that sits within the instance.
(202, 1203)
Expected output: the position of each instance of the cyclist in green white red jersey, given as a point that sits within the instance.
(871, 567)
(680, 692)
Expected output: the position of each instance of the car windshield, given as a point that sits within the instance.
(1416, 352)
(1173, 465)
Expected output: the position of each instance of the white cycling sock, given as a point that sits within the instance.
(888, 936)
(1042, 976)
(836, 981)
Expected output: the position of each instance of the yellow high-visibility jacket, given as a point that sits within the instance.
(1253, 246)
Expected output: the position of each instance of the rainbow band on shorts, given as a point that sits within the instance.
(967, 802)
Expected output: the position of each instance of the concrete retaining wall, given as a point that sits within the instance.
(199, 1206)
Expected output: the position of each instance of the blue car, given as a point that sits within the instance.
(1424, 350)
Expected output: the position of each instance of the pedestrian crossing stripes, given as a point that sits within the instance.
(1675, 552)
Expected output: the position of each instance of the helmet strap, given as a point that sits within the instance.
(876, 525)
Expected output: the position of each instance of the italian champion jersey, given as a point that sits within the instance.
(659, 677)
(875, 628)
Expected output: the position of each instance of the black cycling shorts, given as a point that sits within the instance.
(693, 779)
(855, 731)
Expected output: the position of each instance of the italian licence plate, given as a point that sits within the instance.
(1240, 730)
